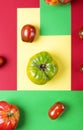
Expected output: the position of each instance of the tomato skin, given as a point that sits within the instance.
(81, 33)
(41, 68)
(28, 33)
(56, 110)
(2, 61)
(64, 1)
(9, 116)
(52, 2)
(81, 68)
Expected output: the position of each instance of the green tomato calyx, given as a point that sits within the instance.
(10, 114)
(42, 67)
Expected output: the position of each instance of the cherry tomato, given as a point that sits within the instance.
(28, 33)
(56, 110)
(81, 33)
(64, 1)
(2, 61)
(9, 116)
(81, 68)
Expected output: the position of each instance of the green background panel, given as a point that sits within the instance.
(34, 107)
(55, 20)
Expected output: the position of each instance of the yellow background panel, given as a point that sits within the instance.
(58, 46)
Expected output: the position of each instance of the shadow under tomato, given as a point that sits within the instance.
(23, 118)
(67, 109)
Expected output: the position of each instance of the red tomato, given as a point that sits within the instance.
(9, 116)
(2, 61)
(28, 33)
(52, 2)
(56, 110)
(81, 33)
(81, 68)
(64, 1)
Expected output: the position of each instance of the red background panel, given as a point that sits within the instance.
(27, 3)
(77, 44)
(8, 32)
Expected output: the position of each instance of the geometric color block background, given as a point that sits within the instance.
(57, 31)
(34, 108)
(55, 20)
(63, 21)
(8, 40)
(59, 47)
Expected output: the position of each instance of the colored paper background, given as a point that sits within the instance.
(8, 44)
(55, 20)
(77, 45)
(58, 46)
(34, 108)
(27, 3)
(8, 40)
(70, 17)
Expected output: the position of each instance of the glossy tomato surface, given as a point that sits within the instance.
(81, 68)
(81, 33)
(64, 1)
(28, 33)
(56, 110)
(41, 68)
(9, 116)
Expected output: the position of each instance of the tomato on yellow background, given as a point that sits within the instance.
(41, 68)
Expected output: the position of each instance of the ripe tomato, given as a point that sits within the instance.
(64, 1)
(56, 110)
(28, 33)
(2, 61)
(41, 68)
(52, 2)
(9, 116)
(81, 33)
(81, 68)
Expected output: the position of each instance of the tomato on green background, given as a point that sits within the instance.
(41, 68)
(9, 116)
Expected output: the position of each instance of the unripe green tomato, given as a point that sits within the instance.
(41, 68)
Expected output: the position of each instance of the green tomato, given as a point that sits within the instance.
(41, 68)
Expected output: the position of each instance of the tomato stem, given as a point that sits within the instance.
(42, 67)
(9, 114)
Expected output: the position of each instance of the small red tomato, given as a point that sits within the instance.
(2, 61)
(64, 1)
(56, 110)
(81, 68)
(28, 33)
(9, 116)
(81, 33)
(52, 2)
